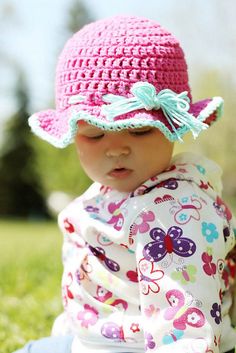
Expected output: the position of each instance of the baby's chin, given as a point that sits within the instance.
(124, 190)
(125, 187)
(122, 187)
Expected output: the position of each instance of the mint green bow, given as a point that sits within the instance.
(174, 106)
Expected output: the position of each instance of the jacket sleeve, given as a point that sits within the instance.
(71, 252)
(181, 247)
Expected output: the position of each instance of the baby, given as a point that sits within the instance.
(148, 248)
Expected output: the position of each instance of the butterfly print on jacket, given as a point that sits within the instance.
(182, 311)
(170, 242)
(101, 255)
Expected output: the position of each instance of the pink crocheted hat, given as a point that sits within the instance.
(123, 72)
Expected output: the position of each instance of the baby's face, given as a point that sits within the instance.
(122, 159)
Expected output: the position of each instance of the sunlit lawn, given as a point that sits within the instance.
(30, 275)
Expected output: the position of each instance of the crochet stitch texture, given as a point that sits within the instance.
(108, 57)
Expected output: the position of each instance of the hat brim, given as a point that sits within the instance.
(59, 128)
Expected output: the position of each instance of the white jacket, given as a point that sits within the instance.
(151, 270)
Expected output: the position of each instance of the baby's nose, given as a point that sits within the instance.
(117, 151)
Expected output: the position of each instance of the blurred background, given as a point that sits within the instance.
(37, 180)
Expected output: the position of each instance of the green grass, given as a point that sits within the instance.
(30, 276)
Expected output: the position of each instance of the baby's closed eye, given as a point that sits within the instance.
(141, 131)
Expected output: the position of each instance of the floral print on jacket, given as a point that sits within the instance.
(152, 270)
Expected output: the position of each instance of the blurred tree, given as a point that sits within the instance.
(78, 16)
(20, 189)
(60, 170)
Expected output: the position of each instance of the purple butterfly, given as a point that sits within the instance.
(168, 243)
(112, 331)
(115, 332)
(101, 255)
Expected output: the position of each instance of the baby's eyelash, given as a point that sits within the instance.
(96, 137)
(141, 132)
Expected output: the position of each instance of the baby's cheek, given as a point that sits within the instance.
(80, 153)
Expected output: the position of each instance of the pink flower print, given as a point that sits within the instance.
(134, 327)
(89, 316)
(117, 217)
(141, 225)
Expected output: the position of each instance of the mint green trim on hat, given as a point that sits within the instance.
(175, 106)
(65, 139)
(139, 120)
